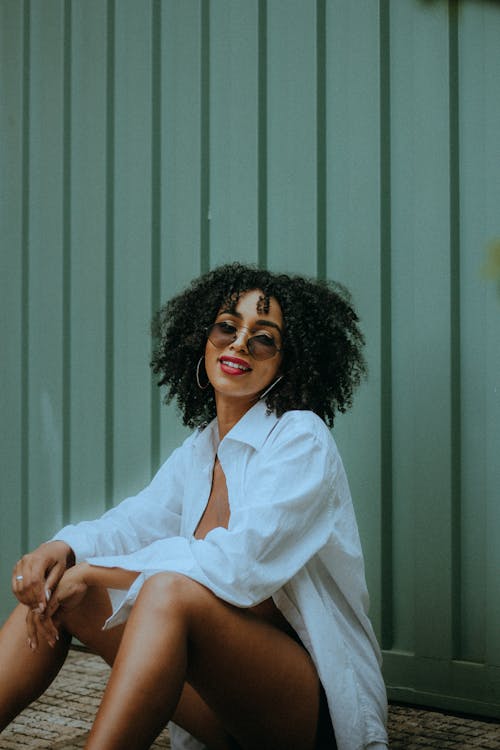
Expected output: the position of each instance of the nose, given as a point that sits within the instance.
(241, 339)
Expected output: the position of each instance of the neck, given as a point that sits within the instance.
(230, 411)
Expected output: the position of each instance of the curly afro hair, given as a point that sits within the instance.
(322, 343)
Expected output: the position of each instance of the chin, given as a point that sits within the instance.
(231, 390)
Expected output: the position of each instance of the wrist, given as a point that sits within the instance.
(86, 571)
(61, 551)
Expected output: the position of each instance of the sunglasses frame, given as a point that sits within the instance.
(209, 328)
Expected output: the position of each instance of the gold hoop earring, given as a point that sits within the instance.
(203, 387)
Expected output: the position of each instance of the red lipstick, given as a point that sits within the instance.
(234, 365)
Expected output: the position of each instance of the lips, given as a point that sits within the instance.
(234, 366)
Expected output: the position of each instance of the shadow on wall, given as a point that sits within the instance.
(491, 268)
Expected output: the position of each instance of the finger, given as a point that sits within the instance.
(52, 606)
(32, 636)
(22, 582)
(48, 630)
(37, 587)
(18, 577)
(39, 593)
(54, 632)
(17, 584)
(53, 578)
(28, 581)
(43, 611)
(45, 629)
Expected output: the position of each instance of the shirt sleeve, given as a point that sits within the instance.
(284, 518)
(153, 513)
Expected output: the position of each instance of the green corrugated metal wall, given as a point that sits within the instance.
(143, 142)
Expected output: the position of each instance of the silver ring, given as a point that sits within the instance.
(19, 578)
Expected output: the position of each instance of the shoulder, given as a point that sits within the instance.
(299, 452)
(305, 425)
(304, 421)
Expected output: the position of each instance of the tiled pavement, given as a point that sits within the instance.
(61, 719)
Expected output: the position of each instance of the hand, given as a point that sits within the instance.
(37, 574)
(40, 626)
(68, 594)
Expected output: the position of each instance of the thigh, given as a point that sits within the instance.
(260, 682)
(86, 621)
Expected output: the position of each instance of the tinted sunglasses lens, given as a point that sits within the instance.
(262, 347)
(221, 335)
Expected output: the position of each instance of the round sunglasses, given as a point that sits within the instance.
(260, 346)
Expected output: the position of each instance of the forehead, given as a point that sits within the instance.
(254, 303)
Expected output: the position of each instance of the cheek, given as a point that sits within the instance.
(273, 370)
(211, 355)
(278, 363)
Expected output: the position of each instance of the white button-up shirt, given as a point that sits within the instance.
(292, 536)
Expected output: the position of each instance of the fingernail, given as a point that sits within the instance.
(32, 646)
(48, 593)
(28, 642)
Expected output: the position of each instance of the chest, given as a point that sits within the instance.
(217, 511)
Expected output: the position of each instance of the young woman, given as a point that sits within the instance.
(229, 595)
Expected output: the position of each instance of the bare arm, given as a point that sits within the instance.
(75, 582)
(110, 578)
(69, 593)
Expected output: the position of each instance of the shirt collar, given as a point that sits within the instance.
(253, 429)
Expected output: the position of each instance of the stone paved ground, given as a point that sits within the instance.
(418, 729)
(62, 718)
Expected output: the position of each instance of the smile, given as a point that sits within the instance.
(233, 366)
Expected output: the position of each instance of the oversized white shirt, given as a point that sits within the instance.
(292, 536)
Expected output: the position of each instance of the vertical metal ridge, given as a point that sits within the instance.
(387, 587)
(205, 138)
(455, 343)
(262, 136)
(110, 259)
(156, 143)
(25, 282)
(321, 139)
(66, 267)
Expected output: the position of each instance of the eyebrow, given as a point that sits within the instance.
(257, 322)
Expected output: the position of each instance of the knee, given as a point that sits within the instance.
(171, 593)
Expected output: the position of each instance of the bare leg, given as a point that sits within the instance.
(86, 621)
(25, 674)
(260, 683)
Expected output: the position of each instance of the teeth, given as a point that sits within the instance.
(236, 366)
